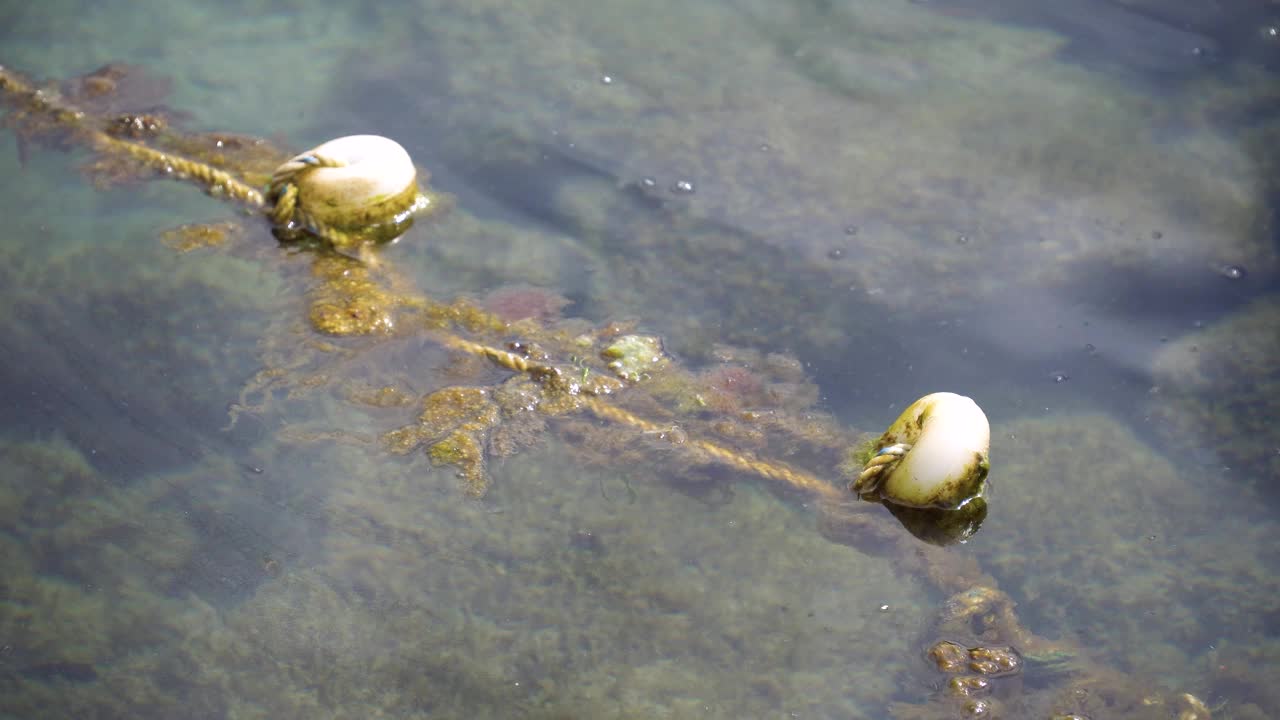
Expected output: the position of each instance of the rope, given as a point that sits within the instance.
(726, 456)
(508, 360)
(718, 453)
(288, 172)
(286, 205)
(216, 182)
(883, 462)
(39, 100)
(219, 183)
(284, 190)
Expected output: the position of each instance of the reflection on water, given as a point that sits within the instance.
(847, 204)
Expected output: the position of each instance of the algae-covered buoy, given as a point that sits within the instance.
(935, 455)
(349, 191)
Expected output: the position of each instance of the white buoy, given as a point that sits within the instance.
(935, 455)
(362, 185)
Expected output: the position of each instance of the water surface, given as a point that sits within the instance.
(1071, 221)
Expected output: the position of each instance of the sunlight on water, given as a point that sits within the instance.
(801, 216)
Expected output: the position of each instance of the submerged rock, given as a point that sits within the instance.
(1220, 386)
(1094, 534)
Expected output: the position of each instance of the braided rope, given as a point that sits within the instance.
(288, 172)
(334, 237)
(283, 189)
(883, 463)
(508, 360)
(280, 203)
(719, 453)
(40, 100)
(215, 181)
(768, 469)
(286, 204)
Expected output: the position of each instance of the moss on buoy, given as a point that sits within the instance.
(935, 455)
(350, 191)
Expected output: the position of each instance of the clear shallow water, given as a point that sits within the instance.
(981, 198)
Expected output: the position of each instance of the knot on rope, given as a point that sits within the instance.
(288, 173)
(933, 456)
(285, 212)
(884, 461)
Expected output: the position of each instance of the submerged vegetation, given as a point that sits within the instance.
(380, 590)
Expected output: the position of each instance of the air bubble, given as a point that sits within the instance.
(1233, 272)
(1059, 377)
(682, 187)
(648, 182)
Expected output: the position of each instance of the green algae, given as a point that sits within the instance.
(132, 324)
(635, 357)
(1092, 526)
(1221, 384)
(86, 574)
(409, 608)
(397, 616)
